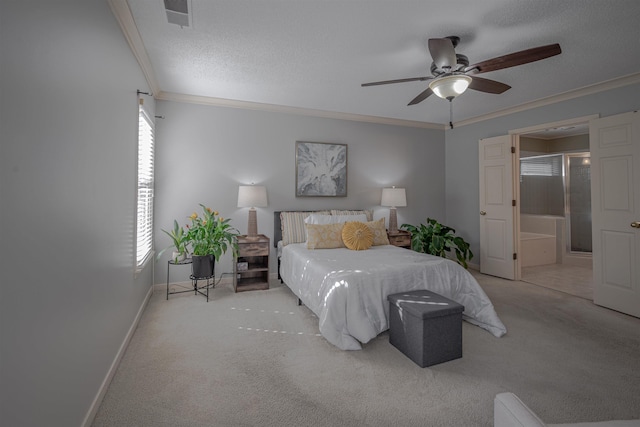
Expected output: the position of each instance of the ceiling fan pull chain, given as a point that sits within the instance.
(451, 113)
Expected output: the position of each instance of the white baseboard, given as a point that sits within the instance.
(473, 266)
(95, 405)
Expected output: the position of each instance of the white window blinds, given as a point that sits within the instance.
(549, 165)
(144, 209)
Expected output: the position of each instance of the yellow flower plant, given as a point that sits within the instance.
(210, 234)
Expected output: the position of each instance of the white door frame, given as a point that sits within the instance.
(516, 182)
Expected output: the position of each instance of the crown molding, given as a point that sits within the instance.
(247, 105)
(576, 93)
(122, 12)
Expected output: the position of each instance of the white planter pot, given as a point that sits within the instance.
(178, 257)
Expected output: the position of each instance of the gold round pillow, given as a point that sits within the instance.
(357, 236)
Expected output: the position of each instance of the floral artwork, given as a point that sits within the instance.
(321, 169)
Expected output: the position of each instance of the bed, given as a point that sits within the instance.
(348, 289)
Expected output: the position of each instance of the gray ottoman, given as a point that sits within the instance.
(425, 326)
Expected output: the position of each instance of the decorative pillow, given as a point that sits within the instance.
(292, 224)
(357, 236)
(379, 232)
(324, 236)
(369, 214)
(333, 219)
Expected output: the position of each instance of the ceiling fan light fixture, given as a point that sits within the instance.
(448, 87)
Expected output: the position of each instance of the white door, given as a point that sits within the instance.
(615, 199)
(497, 207)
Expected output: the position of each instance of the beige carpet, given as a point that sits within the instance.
(255, 359)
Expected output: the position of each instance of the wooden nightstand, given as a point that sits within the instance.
(251, 265)
(401, 238)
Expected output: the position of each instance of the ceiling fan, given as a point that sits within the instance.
(452, 74)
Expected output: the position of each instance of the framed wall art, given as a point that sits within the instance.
(321, 169)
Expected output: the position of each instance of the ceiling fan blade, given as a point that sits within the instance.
(488, 86)
(516, 58)
(442, 52)
(386, 82)
(423, 95)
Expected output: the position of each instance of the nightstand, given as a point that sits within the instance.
(400, 238)
(251, 264)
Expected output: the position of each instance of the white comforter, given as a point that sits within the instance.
(348, 290)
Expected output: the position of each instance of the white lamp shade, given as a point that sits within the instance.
(394, 197)
(252, 196)
(449, 87)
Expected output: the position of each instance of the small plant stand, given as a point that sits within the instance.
(209, 283)
(202, 290)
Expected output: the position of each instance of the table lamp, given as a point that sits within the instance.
(393, 197)
(252, 197)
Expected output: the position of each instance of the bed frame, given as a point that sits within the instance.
(277, 231)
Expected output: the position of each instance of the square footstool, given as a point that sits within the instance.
(425, 326)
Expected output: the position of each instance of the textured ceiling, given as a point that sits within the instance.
(314, 54)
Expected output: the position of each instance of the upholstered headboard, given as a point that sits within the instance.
(277, 225)
(277, 228)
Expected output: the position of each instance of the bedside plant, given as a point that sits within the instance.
(179, 239)
(209, 236)
(438, 239)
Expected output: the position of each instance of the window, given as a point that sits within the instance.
(547, 165)
(144, 205)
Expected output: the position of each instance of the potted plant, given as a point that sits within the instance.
(209, 236)
(437, 239)
(179, 239)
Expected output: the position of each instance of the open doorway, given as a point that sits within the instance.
(555, 208)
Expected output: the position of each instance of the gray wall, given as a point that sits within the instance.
(203, 153)
(462, 198)
(68, 114)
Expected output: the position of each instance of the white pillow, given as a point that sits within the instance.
(333, 219)
(368, 213)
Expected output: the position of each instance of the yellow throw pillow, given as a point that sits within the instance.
(324, 236)
(357, 236)
(379, 232)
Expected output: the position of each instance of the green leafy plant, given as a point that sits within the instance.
(438, 239)
(178, 237)
(210, 234)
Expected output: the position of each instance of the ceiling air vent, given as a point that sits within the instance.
(178, 12)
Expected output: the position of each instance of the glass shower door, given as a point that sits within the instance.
(578, 202)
